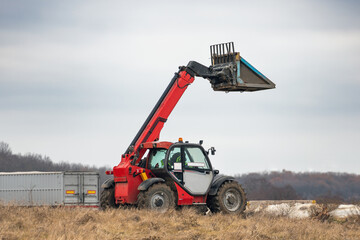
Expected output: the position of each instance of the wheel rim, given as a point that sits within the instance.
(232, 200)
(159, 201)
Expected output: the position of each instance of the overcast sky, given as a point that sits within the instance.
(78, 79)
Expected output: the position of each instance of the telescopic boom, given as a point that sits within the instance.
(228, 72)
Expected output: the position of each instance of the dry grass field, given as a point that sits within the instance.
(82, 223)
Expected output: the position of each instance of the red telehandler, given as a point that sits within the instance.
(160, 175)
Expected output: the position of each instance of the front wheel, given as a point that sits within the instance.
(107, 198)
(230, 199)
(158, 197)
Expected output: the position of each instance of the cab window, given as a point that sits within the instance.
(156, 158)
(195, 159)
(174, 157)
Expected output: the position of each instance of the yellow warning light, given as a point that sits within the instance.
(91, 192)
(180, 140)
(70, 191)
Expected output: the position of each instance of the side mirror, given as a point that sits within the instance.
(201, 142)
(216, 172)
(212, 149)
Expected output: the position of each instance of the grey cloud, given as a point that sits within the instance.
(77, 74)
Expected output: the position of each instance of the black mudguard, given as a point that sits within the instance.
(218, 181)
(109, 183)
(147, 183)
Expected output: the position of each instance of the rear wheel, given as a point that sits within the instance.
(107, 198)
(158, 197)
(230, 199)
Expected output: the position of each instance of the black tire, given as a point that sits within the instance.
(141, 200)
(159, 197)
(229, 199)
(107, 198)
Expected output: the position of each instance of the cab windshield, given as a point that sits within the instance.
(157, 158)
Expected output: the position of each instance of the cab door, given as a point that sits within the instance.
(190, 166)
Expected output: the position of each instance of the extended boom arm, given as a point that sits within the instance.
(150, 130)
(228, 72)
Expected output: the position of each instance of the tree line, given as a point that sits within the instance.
(10, 162)
(284, 185)
(287, 185)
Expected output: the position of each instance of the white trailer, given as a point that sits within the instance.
(70, 188)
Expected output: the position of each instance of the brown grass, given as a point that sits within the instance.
(80, 223)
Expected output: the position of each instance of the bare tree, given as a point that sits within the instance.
(5, 148)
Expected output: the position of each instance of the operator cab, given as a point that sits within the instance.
(185, 163)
